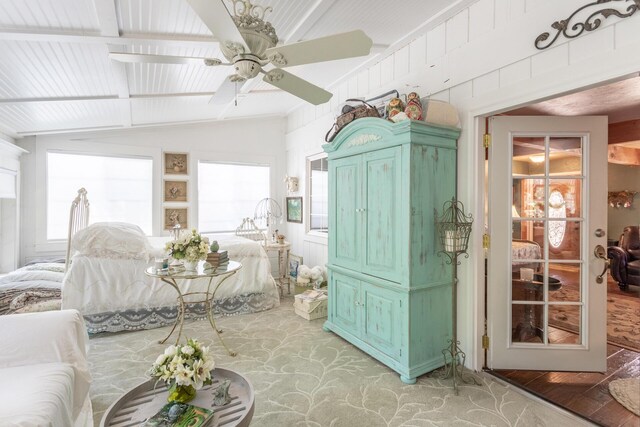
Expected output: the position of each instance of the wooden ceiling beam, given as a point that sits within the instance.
(624, 131)
(623, 155)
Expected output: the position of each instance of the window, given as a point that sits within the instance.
(119, 189)
(318, 179)
(557, 209)
(227, 193)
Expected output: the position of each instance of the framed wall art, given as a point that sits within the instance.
(294, 209)
(173, 216)
(176, 164)
(175, 191)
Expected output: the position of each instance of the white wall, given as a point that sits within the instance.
(9, 203)
(623, 177)
(245, 141)
(483, 61)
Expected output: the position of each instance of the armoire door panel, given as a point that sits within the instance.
(347, 313)
(348, 216)
(381, 319)
(382, 198)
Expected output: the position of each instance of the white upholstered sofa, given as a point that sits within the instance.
(44, 374)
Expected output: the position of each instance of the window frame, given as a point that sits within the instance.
(319, 236)
(38, 201)
(196, 200)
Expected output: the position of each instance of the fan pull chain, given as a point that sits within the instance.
(236, 96)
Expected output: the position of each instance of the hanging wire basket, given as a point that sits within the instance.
(454, 227)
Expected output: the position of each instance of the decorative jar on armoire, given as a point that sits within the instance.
(389, 291)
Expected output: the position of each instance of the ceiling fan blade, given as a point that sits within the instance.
(338, 46)
(226, 92)
(297, 86)
(163, 59)
(215, 16)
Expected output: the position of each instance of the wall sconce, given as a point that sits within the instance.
(292, 184)
(621, 199)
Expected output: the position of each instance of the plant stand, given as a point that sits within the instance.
(454, 228)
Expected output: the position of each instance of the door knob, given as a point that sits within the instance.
(599, 232)
(600, 253)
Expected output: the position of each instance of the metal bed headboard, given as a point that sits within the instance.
(249, 230)
(78, 220)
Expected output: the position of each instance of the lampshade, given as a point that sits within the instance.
(514, 212)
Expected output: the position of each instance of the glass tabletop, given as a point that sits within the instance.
(204, 269)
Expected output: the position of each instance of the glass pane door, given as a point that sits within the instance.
(546, 310)
(547, 256)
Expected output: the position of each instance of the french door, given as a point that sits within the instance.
(547, 217)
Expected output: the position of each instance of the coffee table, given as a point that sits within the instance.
(203, 271)
(144, 401)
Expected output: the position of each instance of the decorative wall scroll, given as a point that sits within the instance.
(175, 191)
(176, 164)
(621, 199)
(597, 12)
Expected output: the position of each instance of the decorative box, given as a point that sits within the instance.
(311, 309)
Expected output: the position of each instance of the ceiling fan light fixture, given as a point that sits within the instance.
(249, 42)
(247, 68)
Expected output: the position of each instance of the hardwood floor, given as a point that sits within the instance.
(584, 393)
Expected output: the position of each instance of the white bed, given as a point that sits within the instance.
(113, 293)
(34, 287)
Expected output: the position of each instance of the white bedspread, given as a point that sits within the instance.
(43, 275)
(98, 286)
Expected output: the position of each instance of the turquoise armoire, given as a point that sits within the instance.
(389, 291)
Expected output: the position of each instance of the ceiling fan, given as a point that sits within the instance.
(249, 42)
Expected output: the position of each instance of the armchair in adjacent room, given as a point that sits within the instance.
(625, 258)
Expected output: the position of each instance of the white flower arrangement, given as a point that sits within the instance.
(188, 365)
(192, 247)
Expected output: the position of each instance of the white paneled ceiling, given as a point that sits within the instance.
(55, 73)
(159, 17)
(38, 15)
(54, 70)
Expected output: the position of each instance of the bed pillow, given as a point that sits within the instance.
(116, 240)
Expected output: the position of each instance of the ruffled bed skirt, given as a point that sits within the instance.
(156, 317)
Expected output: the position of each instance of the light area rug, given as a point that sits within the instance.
(304, 376)
(623, 317)
(627, 392)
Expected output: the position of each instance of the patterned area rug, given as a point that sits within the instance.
(623, 317)
(627, 392)
(304, 376)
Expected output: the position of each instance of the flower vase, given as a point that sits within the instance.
(190, 265)
(181, 393)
